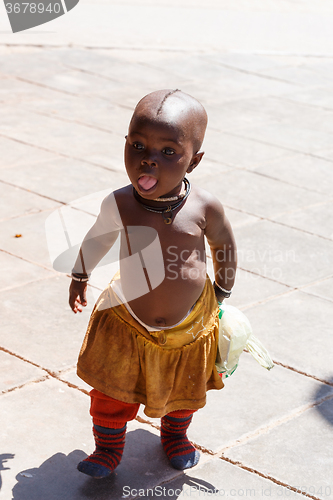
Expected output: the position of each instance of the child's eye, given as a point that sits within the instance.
(138, 145)
(168, 151)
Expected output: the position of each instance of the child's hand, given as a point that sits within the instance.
(77, 295)
(219, 297)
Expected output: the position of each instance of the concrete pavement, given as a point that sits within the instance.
(264, 72)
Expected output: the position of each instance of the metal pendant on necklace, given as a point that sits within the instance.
(167, 218)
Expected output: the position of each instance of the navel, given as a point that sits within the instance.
(160, 321)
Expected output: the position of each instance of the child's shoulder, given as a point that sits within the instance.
(111, 207)
(212, 209)
(118, 196)
(206, 199)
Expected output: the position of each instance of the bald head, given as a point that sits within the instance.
(177, 109)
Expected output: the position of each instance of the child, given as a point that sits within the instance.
(152, 336)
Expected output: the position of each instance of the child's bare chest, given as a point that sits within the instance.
(143, 228)
(164, 262)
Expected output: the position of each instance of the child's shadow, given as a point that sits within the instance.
(144, 466)
(4, 458)
(326, 408)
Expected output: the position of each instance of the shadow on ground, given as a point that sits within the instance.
(4, 457)
(144, 466)
(326, 408)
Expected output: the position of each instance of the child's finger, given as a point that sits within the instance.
(83, 297)
(78, 307)
(74, 303)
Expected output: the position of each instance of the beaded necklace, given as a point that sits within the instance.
(166, 211)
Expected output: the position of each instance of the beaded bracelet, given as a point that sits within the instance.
(223, 291)
(82, 278)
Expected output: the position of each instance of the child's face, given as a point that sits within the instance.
(158, 154)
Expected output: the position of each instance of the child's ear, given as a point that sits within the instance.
(195, 161)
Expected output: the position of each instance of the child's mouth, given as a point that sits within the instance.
(146, 182)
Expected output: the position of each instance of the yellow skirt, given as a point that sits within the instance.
(166, 370)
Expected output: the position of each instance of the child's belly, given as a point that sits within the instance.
(170, 301)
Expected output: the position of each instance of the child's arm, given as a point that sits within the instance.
(223, 247)
(97, 242)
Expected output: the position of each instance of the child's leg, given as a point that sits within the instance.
(180, 452)
(109, 418)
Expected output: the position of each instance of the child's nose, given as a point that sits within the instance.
(150, 158)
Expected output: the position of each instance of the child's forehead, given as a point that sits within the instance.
(161, 124)
(160, 131)
(172, 119)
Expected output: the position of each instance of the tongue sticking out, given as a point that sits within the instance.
(146, 182)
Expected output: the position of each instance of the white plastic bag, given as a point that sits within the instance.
(235, 335)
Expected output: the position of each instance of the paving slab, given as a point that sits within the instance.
(96, 111)
(15, 153)
(23, 61)
(53, 424)
(305, 441)
(36, 230)
(110, 67)
(312, 173)
(316, 219)
(259, 195)
(240, 113)
(323, 289)
(225, 78)
(71, 377)
(297, 138)
(239, 218)
(220, 479)
(283, 254)
(15, 202)
(251, 62)
(58, 136)
(245, 406)
(32, 246)
(16, 90)
(61, 179)
(326, 154)
(208, 168)
(236, 60)
(296, 330)
(303, 116)
(322, 67)
(15, 372)
(239, 151)
(65, 79)
(16, 272)
(64, 74)
(278, 110)
(320, 96)
(40, 326)
(251, 288)
(35, 428)
(301, 75)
